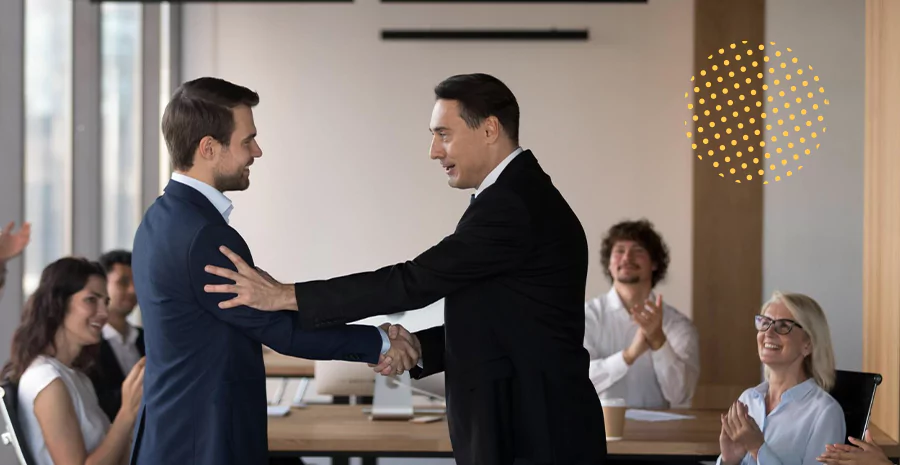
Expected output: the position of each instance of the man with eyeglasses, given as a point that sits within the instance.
(642, 350)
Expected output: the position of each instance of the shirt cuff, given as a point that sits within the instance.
(766, 456)
(385, 341)
(616, 367)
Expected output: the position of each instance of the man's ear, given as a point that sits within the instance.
(207, 148)
(491, 128)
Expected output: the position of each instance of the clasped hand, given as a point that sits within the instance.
(740, 434)
(861, 453)
(404, 352)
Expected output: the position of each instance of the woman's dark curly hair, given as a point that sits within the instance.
(45, 312)
(642, 232)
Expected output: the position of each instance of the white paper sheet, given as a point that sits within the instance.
(278, 410)
(650, 415)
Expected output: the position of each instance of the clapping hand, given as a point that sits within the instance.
(13, 243)
(404, 352)
(650, 316)
(732, 452)
(742, 429)
(861, 453)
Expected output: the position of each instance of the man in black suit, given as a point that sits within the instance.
(513, 275)
(123, 344)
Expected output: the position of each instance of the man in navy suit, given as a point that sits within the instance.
(204, 385)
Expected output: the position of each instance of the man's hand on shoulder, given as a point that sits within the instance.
(254, 287)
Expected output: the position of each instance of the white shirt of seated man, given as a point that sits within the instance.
(641, 349)
(790, 418)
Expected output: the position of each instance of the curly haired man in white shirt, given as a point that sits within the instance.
(642, 350)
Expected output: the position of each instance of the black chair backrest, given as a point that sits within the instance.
(10, 394)
(855, 391)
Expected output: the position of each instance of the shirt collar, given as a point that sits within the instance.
(222, 204)
(495, 173)
(614, 301)
(797, 392)
(110, 333)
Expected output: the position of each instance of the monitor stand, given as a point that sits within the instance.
(392, 401)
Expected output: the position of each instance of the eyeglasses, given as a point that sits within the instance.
(783, 326)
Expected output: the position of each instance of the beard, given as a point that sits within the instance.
(231, 182)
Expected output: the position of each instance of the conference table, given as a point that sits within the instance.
(341, 431)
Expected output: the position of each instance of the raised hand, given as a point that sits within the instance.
(254, 287)
(860, 453)
(732, 452)
(638, 346)
(650, 316)
(133, 391)
(13, 243)
(743, 430)
(404, 353)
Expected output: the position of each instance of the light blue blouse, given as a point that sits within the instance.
(797, 430)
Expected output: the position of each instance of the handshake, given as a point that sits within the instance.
(404, 354)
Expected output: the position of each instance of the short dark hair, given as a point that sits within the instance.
(115, 257)
(45, 313)
(200, 108)
(642, 232)
(481, 96)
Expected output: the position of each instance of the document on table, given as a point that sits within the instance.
(650, 415)
(278, 410)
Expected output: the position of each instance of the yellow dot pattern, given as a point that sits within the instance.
(794, 99)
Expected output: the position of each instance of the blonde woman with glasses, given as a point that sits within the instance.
(790, 417)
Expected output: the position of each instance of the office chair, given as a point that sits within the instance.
(855, 392)
(9, 392)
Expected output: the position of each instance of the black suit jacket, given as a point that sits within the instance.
(513, 275)
(107, 376)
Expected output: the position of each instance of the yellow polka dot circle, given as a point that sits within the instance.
(729, 102)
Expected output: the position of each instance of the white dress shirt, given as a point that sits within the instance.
(797, 430)
(92, 422)
(124, 347)
(664, 378)
(491, 178)
(224, 206)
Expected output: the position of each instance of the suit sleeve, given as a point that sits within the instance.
(493, 237)
(279, 330)
(432, 341)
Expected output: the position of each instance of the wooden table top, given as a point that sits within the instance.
(278, 365)
(345, 428)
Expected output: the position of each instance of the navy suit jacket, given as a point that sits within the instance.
(204, 383)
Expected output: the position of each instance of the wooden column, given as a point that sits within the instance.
(728, 217)
(881, 230)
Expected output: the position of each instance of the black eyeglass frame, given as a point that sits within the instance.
(763, 323)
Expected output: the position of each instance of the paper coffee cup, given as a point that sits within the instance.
(614, 417)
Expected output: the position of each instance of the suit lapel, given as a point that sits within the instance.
(110, 365)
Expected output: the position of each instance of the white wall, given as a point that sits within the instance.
(813, 220)
(345, 183)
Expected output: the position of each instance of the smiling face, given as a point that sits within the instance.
(630, 263)
(231, 166)
(463, 152)
(87, 313)
(781, 350)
